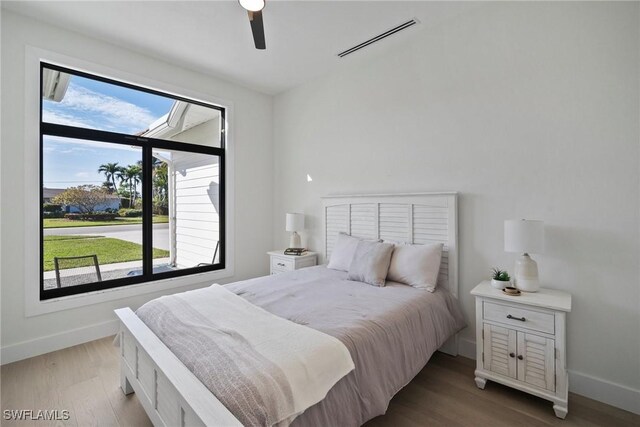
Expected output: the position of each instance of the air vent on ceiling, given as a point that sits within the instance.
(379, 37)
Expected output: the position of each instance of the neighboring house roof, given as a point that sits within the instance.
(54, 84)
(49, 193)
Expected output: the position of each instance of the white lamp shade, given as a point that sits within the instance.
(252, 5)
(524, 236)
(295, 222)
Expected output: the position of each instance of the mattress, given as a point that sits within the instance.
(391, 332)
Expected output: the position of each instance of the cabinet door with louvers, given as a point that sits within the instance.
(536, 361)
(499, 350)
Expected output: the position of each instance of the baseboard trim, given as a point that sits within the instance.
(614, 394)
(618, 395)
(467, 348)
(47, 344)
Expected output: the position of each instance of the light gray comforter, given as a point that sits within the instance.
(264, 369)
(391, 332)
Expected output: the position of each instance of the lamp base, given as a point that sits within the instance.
(294, 242)
(526, 274)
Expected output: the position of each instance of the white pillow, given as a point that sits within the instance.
(416, 265)
(343, 252)
(371, 262)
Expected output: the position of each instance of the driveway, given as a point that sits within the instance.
(130, 233)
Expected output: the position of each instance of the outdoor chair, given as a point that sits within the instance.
(213, 260)
(77, 270)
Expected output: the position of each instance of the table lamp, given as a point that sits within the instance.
(525, 236)
(295, 223)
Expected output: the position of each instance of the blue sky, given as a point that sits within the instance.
(72, 162)
(97, 105)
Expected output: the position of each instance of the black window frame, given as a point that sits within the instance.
(147, 146)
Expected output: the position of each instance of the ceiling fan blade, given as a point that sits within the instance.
(257, 28)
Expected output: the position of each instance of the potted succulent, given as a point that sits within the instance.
(500, 279)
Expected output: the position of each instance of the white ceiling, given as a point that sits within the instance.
(214, 37)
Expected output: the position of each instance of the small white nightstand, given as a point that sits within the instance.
(281, 263)
(521, 342)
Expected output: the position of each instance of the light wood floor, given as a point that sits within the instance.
(85, 381)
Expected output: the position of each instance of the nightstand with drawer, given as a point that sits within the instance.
(281, 263)
(521, 342)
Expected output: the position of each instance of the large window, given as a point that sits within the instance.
(132, 184)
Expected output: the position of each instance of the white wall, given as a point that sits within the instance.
(530, 111)
(253, 153)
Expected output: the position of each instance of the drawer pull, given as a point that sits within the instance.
(281, 264)
(520, 357)
(522, 319)
(512, 355)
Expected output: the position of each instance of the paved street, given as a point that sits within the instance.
(131, 233)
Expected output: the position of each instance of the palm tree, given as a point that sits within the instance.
(131, 175)
(160, 187)
(111, 171)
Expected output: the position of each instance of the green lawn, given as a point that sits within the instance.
(64, 223)
(107, 249)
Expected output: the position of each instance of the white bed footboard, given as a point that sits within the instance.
(170, 393)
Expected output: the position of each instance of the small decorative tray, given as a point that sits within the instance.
(513, 292)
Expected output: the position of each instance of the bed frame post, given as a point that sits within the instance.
(125, 385)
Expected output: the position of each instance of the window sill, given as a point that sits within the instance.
(36, 308)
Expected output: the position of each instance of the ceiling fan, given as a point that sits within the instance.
(254, 8)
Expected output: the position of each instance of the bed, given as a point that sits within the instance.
(390, 332)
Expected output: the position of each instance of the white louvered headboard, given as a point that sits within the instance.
(419, 218)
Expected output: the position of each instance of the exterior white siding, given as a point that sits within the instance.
(196, 209)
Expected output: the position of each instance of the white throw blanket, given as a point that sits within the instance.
(265, 369)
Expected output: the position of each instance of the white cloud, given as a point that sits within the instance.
(117, 113)
(62, 144)
(59, 118)
(82, 174)
(86, 108)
